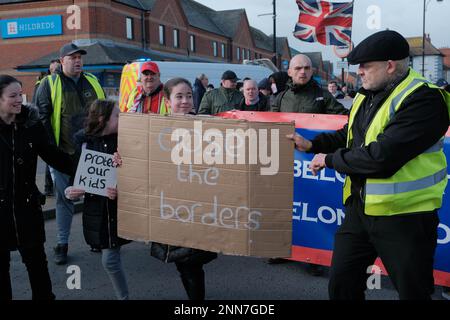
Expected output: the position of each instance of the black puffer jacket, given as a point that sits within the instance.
(100, 213)
(21, 219)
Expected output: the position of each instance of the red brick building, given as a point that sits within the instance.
(116, 31)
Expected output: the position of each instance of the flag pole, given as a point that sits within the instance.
(349, 46)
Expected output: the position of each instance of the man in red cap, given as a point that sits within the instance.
(148, 97)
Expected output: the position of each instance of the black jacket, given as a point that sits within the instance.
(75, 101)
(261, 105)
(99, 213)
(199, 91)
(418, 124)
(21, 219)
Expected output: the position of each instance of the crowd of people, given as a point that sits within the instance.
(391, 142)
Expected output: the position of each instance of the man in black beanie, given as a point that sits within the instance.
(391, 152)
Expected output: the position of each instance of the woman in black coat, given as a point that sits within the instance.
(22, 139)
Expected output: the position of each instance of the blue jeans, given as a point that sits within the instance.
(113, 267)
(64, 207)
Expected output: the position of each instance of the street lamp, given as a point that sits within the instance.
(425, 5)
(274, 16)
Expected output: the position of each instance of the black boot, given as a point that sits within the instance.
(193, 278)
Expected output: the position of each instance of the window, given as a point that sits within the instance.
(243, 54)
(223, 49)
(162, 35)
(238, 53)
(248, 54)
(192, 43)
(176, 38)
(129, 26)
(215, 48)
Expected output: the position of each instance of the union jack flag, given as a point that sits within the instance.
(329, 23)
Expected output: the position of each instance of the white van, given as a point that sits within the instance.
(191, 70)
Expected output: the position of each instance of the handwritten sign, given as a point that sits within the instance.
(95, 172)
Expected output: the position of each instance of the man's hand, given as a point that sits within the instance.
(301, 144)
(317, 163)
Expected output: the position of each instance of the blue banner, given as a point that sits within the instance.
(317, 208)
(31, 27)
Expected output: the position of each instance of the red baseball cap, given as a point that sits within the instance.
(150, 66)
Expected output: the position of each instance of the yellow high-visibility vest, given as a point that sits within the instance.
(56, 96)
(419, 185)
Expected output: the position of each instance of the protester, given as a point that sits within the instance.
(396, 172)
(22, 139)
(303, 94)
(333, 90)
(63, 100)
(99, 212)
(278, 82)
(200, 85)
(189, 262)
(253, 100)
(209, 87)
(148, 97)
(264, 87)
(52, 68)
(225, 98)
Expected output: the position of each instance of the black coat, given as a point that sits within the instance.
(262, 105)
(21, 219)
(419, 123)
(199, 92)
(99, 213)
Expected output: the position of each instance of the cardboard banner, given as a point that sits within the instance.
(317, 207)
(202, 182)
(95, 172)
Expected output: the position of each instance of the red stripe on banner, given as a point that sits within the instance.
(323, 257)
(442, 278)
(311, 255)
(302, 120)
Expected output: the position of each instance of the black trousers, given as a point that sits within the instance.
(405, 243)
(193, 278)
(36, 262)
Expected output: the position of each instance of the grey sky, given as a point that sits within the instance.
(404, 16)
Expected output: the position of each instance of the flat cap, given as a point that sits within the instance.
(381, 46)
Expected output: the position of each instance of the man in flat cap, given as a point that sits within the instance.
(222, 99)
(391, 152)
(63, 99)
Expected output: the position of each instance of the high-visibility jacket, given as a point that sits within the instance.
(419, 185)
(56, 95)
(163, 108)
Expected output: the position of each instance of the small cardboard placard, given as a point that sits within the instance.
(95, 172)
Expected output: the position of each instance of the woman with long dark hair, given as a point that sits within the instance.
(22, 139)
